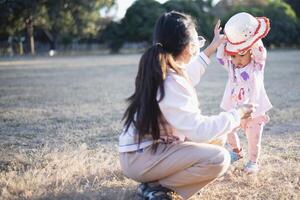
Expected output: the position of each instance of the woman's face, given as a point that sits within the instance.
(195, 43)
(193, 47)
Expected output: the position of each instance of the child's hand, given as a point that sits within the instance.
(258, 51)
(217, 41)
(246, 110)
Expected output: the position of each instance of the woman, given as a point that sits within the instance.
(164, 144)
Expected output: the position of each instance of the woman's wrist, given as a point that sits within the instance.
(210, 50)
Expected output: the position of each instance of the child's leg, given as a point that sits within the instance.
(233, 140)
(253, 130)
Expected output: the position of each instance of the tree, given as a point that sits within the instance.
(14, 12)
(60, 19)
(136, 26)
(78, 17)
(113, 36)
(140, 19)
(295, 4)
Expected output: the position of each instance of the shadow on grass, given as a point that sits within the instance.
(106, 193)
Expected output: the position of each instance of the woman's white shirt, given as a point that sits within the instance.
(180, 108)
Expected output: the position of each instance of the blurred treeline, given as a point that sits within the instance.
(39, 24)
(61, 22)
(137, 25)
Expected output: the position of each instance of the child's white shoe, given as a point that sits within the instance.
(251, 167)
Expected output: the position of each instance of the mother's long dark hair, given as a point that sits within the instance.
(172, 34)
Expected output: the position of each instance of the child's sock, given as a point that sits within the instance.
(236, 154)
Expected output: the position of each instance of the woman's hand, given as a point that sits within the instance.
(217, 41)
(245, 110)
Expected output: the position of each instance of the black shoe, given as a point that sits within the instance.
(157, 192)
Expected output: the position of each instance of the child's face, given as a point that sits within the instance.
(241, 61)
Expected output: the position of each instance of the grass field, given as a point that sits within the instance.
(60, 120)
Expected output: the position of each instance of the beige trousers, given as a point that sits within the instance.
(184, 167)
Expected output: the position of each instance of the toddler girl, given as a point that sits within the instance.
(243, 56)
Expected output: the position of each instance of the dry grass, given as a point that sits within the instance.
(60, 119)
(70, 173)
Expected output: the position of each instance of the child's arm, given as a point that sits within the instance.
(259, 54)
(222, 58)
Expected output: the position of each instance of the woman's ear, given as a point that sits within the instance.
(187, 53)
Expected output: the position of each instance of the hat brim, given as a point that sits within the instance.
(233, 49)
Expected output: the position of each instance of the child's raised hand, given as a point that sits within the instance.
(258, 51)
(217, 41)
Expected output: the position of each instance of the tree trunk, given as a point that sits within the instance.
(21, 51)
(29, 26)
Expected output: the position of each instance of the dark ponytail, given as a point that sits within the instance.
(171, 36)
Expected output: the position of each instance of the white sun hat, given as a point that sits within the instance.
(243, 30)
